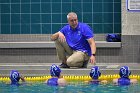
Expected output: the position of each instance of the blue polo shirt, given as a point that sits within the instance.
(77, 38)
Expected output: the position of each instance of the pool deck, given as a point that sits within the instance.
(40, 69)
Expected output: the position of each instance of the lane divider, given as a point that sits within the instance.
(71, 78)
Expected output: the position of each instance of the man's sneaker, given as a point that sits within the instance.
(85, 63)
(64, 66)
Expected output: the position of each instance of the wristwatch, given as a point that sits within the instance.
(93, 54)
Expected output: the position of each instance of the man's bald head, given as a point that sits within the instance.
(71, 14)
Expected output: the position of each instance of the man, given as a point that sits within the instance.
(76, 41)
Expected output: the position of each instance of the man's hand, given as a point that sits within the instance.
(92, 59)
(61, 37)
(55, 36)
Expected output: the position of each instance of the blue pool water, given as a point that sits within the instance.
(71, 88)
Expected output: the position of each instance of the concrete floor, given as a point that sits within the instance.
(40, 69)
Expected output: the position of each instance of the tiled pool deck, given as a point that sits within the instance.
(39, 69)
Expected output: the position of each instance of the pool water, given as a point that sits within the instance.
(70, 88)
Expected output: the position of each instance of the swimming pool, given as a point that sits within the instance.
(73, 87)
(76, 85)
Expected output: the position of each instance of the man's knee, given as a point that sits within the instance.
(57, 41)
(70, 62)
(74, 63)
(60, 43)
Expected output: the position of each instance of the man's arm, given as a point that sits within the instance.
(59, 35)
(55, 36)
(93, 49)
